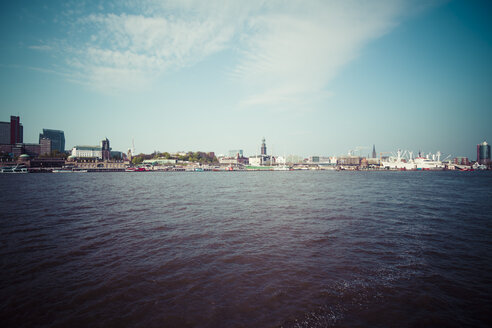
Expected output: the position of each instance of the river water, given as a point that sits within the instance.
(246, 249)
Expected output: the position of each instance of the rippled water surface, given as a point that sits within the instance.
(246, 249)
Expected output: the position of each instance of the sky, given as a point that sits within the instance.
(312, 77)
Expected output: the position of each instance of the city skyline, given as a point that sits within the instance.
(314, 79)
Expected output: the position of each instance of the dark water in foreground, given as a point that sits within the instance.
(246, 249)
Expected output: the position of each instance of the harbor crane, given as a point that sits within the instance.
(381, 155)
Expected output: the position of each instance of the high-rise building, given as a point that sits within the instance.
(483, 153)
(5, 133)
(374, 151)
(45, 146)
(16, 130)
(263, 147)
(12, 132)
(57, 138)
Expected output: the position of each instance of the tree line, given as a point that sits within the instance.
(197, 157)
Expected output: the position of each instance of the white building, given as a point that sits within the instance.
(228, 160)
(87, 152)
(261, 160)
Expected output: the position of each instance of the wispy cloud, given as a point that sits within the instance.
(42, 47)
(287, 51)
(293, 53)
(135, 42)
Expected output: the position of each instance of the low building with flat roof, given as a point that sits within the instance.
(349, 160)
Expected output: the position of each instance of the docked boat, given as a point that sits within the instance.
(398, 162)
(425, 163)
(14, 169)
(429, 162)
(72, 170)
(135, 169)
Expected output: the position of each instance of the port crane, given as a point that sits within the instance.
(381, 154)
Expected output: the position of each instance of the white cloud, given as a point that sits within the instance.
(287, 50)
(143, 39)
(135, 44)
(294, 53)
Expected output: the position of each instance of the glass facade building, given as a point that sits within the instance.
(57, 138)
(483, 153)
(236, 152)
(5, 133)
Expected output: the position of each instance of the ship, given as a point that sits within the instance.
(429, 162)
(14, 169)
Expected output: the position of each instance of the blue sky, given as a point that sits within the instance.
(314, 78)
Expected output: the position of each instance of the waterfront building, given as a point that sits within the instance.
(57, 138)
(256, 160)
(349, 160)
(11, 133)
(483, 153)
(234, 160)
(5, 149)
(373, 161)
(105, 149)
(45, 145)
(96, 152)
(87, 152)
(31, 149)
(117, 155)
(227, 160)
(263, 158)
(18, 149)
(260, 160)
(461, 161)
(318, 160)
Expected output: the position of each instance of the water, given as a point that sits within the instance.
(246, 249)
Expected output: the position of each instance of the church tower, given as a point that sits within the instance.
(374, 151)
(263, 147)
